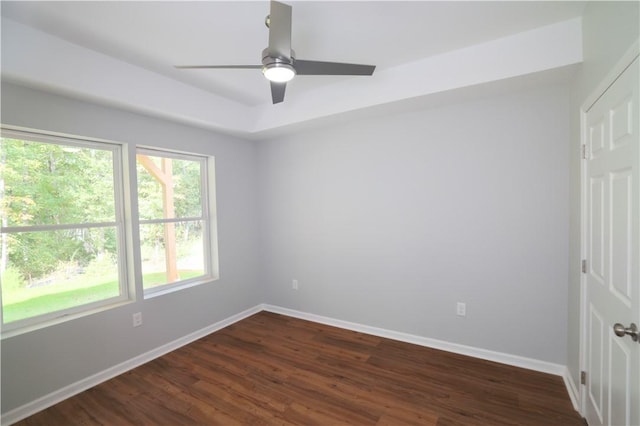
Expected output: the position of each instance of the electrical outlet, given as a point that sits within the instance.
(137, 319)
(294, 284)
(461, 309)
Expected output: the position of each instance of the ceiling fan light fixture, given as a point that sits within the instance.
(279, 72)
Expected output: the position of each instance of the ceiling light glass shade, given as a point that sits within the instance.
(278, 73)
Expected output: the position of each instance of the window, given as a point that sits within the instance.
(173, 208)
(65, 246)
(62, 233)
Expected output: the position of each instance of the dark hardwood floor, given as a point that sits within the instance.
(273, 369)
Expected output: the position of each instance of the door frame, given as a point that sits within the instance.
(630, 55)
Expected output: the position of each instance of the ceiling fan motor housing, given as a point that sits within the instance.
(268, 59)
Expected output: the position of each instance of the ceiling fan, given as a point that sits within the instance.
(279, 63)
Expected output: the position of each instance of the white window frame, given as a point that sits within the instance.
(117, 150)
(208, 218)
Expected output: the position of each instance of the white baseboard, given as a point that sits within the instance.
(503, 358)
(574, 393)
(59, 395)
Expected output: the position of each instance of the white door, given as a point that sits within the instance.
(612, 194)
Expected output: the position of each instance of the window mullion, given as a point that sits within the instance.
(171, 220)
(56, 227)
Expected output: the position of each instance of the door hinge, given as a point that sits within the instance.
(583, 151)
(584, 266)
(583, 377)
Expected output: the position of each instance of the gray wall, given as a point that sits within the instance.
(609, 30)
(37, 363)
(389, 222)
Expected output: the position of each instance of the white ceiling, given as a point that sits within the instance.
(140, 42)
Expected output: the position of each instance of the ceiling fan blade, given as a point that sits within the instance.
(279, 30)
(331, 68)
(238, 67)
(277, 92)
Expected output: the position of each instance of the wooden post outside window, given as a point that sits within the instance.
(164, 175)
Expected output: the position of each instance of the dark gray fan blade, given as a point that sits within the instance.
(277, 92)
(279, 30)
(206, 67)
(331, 68)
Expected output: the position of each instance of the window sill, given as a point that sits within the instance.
(64, 317)
(172, 288)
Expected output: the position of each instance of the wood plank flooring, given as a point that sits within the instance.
(272, 369)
